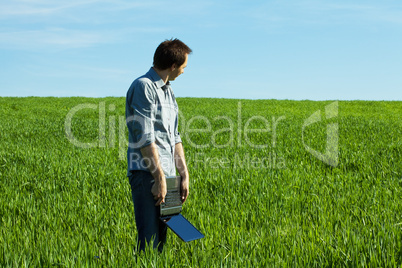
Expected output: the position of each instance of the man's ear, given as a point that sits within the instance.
(173, 67)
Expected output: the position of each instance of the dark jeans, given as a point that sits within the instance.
(150, 228)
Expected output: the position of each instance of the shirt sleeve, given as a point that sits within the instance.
(143, 107)
(176, 127)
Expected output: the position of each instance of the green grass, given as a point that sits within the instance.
(260, 197)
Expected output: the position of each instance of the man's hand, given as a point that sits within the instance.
(151, 158)
(184, 189)
(159, 191)
(181, 166)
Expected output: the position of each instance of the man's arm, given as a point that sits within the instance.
(151, 157)
(181, 166)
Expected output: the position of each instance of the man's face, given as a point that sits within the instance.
(178, 71)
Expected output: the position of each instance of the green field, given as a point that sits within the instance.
(258, 192)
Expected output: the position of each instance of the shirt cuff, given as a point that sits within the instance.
(177, 139)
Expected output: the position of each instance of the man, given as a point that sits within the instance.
(155, 149)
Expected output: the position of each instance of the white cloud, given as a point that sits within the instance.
(64, 38)
(55, 38)
(48, 7)
(38, 24)
(39, 7)
(278, 13)
(368, 12)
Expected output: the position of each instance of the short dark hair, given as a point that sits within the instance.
(170, 52)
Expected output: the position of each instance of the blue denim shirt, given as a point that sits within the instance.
(151, 116)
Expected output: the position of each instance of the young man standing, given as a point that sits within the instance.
(155, 149)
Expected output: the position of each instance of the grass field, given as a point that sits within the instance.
(274, 183)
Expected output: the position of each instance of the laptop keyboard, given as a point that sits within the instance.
(172, 199)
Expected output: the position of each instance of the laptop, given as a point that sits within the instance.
(171, 209)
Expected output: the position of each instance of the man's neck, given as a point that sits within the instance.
(163, 74)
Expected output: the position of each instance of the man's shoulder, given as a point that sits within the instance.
(142, 86)
(142, 83)
(143, 80)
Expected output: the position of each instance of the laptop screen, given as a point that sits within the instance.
(182, 228)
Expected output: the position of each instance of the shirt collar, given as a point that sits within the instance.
(166, 86)
(157, 80)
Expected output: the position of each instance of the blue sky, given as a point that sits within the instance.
(318, 50)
